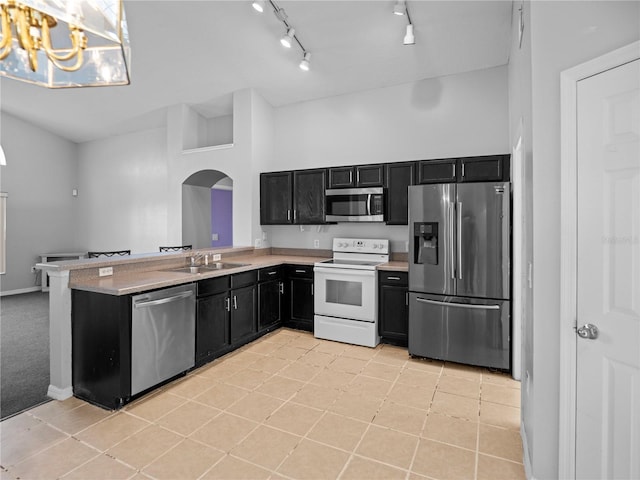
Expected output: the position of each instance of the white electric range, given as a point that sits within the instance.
(346, 291)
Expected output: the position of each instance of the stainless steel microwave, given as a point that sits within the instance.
(355, 205)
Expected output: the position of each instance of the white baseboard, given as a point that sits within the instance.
(59, 393)
(527, 459)
(20, 290)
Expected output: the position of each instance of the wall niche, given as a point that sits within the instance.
(208, 125)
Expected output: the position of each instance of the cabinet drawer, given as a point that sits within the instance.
(213, 285)
(244, 278)
(394, 278)
(272, 273)
(301, 271)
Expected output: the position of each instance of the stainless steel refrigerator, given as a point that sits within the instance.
(459, 273)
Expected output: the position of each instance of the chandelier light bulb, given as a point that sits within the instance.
(409, 38)
(304, 64)
(287, 40)
(399, 8)
(258, 5)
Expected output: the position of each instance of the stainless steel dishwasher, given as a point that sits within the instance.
(163, 329)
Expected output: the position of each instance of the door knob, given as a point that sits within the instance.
(588, 331)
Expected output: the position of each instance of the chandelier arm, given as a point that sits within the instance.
(6, 32)
(78, 42)
(27, 42)
(72, 68)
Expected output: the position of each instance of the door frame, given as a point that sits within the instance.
(568, 243)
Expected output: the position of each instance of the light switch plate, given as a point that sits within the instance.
(216, 257)
(105, 271)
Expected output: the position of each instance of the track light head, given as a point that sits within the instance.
(409, 38)
(399, 8)
(287, 40)
(304, 64)
(258, 5)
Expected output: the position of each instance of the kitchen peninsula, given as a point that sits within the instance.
(146, 272)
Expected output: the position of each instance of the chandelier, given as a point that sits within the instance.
(64, 43)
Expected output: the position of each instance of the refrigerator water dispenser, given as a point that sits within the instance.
(425, 243)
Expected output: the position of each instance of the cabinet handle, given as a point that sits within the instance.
(393, 278)
(227, 304)
(406, 298)
(312, 289)
(235, 302)
(454, 170)
(295, 214)
(358, 176)
(350, 176)
(272, 273)
(301, 271)
(463, 170)
(288, 215)
(281, 288)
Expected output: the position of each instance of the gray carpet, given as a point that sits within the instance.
(24, 352)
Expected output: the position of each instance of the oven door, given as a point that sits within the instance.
(345, 293)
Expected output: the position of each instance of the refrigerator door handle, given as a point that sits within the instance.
(460, 305)
(459, 232)
(451, 240)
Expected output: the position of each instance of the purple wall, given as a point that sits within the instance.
(222, 217)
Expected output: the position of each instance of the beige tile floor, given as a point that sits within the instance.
(285, 406)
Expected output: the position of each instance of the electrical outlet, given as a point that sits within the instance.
(316, 243)
(258, 242)
(216, 257)
(105, 271)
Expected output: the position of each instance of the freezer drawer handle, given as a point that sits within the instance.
(162, 301)
(461, 305)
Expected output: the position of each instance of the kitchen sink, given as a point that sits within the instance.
(212, 267)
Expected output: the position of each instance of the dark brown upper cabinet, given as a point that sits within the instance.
(437, 171)
(296, 197)
(399, 177)
(489, 168)
(357, 176)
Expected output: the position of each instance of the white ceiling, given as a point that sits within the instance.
(199, 52)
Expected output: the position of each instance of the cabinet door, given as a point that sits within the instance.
(370, 175)
(437, 171)
(275, 198)
(269, 305)
(399, 177)
(341, 177)
(394, 313)
(212, 326)
(301, 299)
(482, 169)
(309, 196)
(243, 313)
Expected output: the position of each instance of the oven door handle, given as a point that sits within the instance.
(351, 272)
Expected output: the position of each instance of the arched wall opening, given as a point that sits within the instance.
(207, 209)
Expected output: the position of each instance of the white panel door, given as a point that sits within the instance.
(608, 275)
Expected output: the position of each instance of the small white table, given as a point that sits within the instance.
(56, 257)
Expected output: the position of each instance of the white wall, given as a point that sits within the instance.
(563, 34)
(123, 192)
(520, 127)
(40, 174)
(456, 115)
(196, 216)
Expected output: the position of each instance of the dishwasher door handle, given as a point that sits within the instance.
(161, 301)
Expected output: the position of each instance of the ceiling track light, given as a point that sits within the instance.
(258, 6)
(288, 39)
(400, 7)
(409, 38)
(305, 63)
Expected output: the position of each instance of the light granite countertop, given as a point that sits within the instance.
(152, 273)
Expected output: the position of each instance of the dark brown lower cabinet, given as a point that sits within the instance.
(393, 309)
(299, 297)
